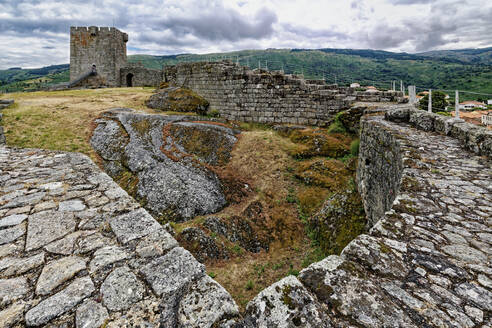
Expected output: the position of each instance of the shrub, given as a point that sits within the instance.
(213, 113)
(444, 113)
(439, 101)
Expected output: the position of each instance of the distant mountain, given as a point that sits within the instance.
(468, 69)
(18, 79)
(481, 56)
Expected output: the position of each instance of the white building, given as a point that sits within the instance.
(489, 102)
(357, 85)
(468, 105)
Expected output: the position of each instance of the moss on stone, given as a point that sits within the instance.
(411, 184)
(286, 299)
(341, 219)
(384, 249)
(178, 100)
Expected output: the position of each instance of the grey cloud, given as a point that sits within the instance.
(225, 24)
(449, 23)
(305, 32)
(411, 2)
(171, 26)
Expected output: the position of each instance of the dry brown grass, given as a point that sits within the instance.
(259, 270)
(61, 120)
(261, 157)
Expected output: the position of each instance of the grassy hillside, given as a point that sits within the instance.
(475, 56)
(18, 79)
(454, 69)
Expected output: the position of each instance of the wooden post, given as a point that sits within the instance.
(457, 104)
(429, 106)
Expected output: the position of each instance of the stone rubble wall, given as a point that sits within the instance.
(239, 93)
(141, 76)
(379, 170)
(77, 251)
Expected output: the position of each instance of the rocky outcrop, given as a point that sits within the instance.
(339, 221)
(176, 99)
(165, 162)
(202, 246)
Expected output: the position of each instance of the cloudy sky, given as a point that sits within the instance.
(35, 33)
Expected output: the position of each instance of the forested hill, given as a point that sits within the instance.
(469, 69)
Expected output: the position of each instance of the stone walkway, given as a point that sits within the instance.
(76, 250)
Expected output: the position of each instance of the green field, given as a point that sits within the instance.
(469, 70)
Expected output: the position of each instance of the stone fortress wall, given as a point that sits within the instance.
(103, 46)
(136, 75)
(239, 93)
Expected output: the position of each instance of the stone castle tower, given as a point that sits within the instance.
(103, 46)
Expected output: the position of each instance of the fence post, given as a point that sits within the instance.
(429, 106)
(259, 65)
(412, 94)
(266, 64)
(401, 85)
(457, 104)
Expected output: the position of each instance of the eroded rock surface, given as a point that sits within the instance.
(165, 161)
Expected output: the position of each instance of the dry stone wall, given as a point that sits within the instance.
(135, 75)
(239, 93)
